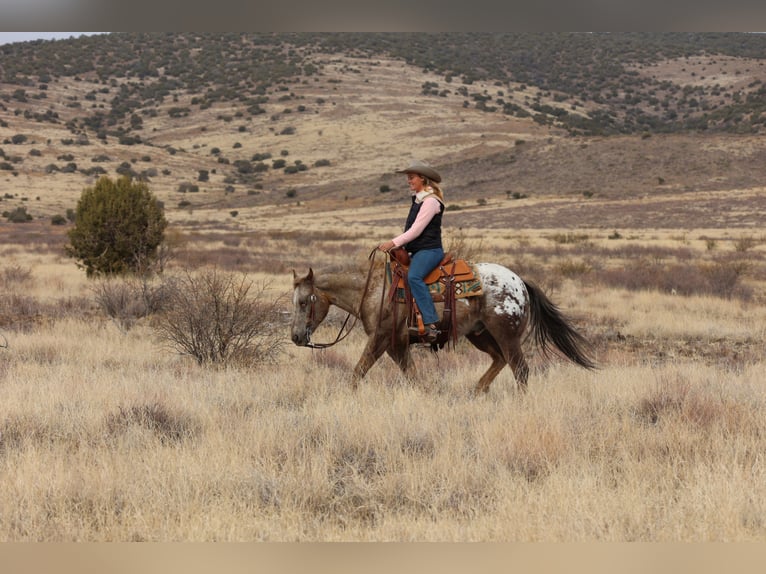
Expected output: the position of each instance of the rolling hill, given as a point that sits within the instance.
(224, 123)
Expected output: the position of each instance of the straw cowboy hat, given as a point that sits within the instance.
(421, 168)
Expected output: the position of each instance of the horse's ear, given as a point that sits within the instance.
(310, 276)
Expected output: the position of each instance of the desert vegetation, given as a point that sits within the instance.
(165, 403)
(587, 83)
(663, 442)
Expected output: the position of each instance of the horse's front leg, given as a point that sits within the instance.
(377, 344)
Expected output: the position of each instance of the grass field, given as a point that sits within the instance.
(653, 245)
(106, 434)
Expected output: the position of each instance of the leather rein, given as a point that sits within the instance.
(341, 335)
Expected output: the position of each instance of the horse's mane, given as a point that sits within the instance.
(353, 269)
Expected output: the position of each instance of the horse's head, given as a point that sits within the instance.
(310, 307)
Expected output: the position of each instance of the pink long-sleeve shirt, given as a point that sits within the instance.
(430, 207)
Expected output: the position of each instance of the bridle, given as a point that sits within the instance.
(311, 314)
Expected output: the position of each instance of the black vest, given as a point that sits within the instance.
(431, 238)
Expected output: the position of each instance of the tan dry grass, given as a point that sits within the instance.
(113, 440)
(106, 435)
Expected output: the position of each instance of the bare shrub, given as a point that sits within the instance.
(24, 313)
(720, 278)
(126, 301)
(724, 277)
(74, 306)
(213, 317)
(461, 246)
(15, 276)
(569, 238)
(745, 242)
(571, 268)
(21, 312)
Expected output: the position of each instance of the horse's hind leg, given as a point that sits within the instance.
(519, 365)
(513, 356)
(485, 342)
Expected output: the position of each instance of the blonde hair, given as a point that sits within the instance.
(434, 187)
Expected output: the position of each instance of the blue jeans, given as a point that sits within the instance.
(421, 264)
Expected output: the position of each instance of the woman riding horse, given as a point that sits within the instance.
(422, 238)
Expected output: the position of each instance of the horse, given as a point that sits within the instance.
(496, 322)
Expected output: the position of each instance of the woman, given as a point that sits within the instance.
(422, 238)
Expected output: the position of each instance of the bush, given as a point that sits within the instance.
(126, 301)
(18, 215)
(213, 317)
(720, 278)
(186, 187)
(119, 227)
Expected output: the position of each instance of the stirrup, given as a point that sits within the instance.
(431, 335)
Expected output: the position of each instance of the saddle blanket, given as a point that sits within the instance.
(467, 282)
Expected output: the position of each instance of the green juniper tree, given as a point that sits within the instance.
(119, 228)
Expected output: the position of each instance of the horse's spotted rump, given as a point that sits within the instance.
(505, 290)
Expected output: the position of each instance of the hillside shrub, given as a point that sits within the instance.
(18, 215)
(187, 187)
(119, 227)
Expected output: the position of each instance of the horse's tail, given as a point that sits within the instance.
(550, 327)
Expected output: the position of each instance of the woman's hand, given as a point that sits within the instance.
(387, 246)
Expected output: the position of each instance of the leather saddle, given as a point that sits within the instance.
(452, 279)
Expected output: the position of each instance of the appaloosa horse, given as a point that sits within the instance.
(495, 321)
